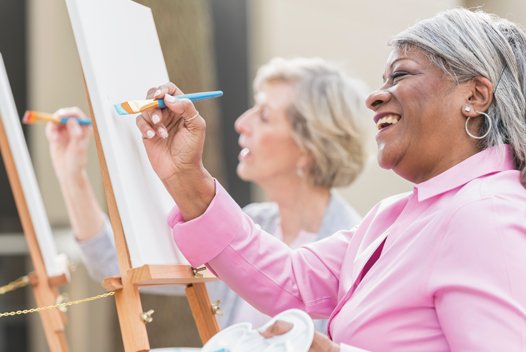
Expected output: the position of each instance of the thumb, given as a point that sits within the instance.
(279, 327)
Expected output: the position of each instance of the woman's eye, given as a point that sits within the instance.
(263, 115)
(397, 74)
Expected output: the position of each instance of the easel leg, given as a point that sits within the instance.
(53, 320)
(129, 310)
(45, 294)
(201, 308)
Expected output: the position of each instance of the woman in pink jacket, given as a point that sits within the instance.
(440, 268)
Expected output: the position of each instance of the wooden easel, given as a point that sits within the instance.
(44, 286)
(114, 68)
(132, 319)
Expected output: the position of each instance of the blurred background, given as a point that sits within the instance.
(207, 45)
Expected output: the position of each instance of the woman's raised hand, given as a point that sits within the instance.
(68, 144)
(174, 139)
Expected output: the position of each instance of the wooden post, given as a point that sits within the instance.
(202, 311)
(45, 293)
(127, 299)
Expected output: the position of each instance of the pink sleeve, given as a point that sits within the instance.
(349, 348)
(478, 280)
(263, 270)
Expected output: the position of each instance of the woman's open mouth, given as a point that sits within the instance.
(387, 121)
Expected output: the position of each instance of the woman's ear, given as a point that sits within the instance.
(481, 93)
(303, 163)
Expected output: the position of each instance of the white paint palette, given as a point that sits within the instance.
(243, 338)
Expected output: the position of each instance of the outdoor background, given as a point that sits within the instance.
(207, 45)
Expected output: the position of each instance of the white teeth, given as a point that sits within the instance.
(244, 152)
(389, 119)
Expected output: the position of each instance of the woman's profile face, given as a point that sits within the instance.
(418, 115)
(268, 150)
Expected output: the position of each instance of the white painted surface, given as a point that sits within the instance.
(17, 143)
(121, 58)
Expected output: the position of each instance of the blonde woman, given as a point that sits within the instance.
(301, 138)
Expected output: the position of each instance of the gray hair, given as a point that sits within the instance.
(325, 117)
(466, 44)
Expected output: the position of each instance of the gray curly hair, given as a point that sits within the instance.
(325, 116)
(466, 44)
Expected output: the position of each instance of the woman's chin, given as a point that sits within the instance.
(384, 162)
(243, 173)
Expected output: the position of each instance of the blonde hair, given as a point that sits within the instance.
(325, 116)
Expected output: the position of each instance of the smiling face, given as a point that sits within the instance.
(418, 115)
(269, 152)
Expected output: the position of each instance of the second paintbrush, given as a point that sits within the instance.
(31, 117)
(137, 106)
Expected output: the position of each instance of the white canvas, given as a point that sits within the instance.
(121, 58)
(11, 121)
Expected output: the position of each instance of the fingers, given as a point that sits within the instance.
(321, 342)
(155, 121)
(151, 92)
(75, 131)
(279, 327)
(185, 109)
(161, 91)
(72, 111)
(53, 131)
(72, 127)
(154, 118)
(146, 129)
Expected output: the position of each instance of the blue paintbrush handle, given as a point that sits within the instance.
(194, 97)
(81, 121)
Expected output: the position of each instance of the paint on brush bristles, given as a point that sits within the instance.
(28, 118)
(135, 106)
(31, 117)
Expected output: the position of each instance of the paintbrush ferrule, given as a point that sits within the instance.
(137, 106)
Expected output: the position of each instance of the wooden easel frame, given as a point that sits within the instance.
(127, 297)
(45, 288)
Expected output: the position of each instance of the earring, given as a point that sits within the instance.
(486, 116)
(467, 108)
(299, 172)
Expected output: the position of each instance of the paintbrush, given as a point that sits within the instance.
(137, 106)
(31, 117)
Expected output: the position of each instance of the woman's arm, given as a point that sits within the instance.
(68, 146)
(259, 267)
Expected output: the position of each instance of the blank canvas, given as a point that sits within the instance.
(10, 119)
(121, 58)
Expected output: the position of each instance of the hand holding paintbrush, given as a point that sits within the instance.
(68, 145)
(137, 106)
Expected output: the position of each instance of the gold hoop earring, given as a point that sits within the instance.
(490, 125)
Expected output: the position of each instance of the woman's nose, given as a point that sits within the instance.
(377, 98)
(241, 124)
